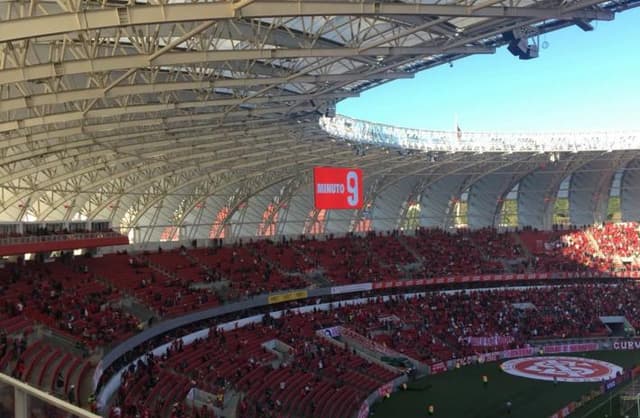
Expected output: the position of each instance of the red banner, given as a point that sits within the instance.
(385, 389)
(570, 348)
(438, 368)
(490, 341)
(363, 412)
(337, 188)
(518, 352)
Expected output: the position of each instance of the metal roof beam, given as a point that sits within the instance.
(155, 120)
(92, 19)
(87, 94)
(152, 152)
(146, 142)
(161, 107)
(287, 166)
(215, 170)
(68, 137)
(43, 71)
(252, 158)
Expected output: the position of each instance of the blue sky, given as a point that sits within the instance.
(582, 81)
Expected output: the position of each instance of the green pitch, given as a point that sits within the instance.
(461, 394)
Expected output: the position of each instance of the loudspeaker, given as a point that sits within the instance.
(523, 50)
(531, 52)
(519, 45)
(514, 48)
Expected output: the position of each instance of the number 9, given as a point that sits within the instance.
(352, 188)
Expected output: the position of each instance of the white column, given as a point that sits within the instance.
(21, 403)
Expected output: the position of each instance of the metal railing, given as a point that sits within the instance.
(35, 239)
(31, 402)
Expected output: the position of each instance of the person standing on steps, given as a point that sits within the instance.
(71, 395)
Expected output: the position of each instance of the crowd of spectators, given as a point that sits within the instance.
(50, 231)
(65, 296)
(354, 258)
(617, 242)
(312, 375)
(250, 268)
(168, 291)
(81, 298)
(606, 247)
(439, 326)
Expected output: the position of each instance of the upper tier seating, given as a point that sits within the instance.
(169, 296)
(80, 297)
(618, 244)
(353, 258)
(64, 296)
(606, 247)
(249, 272)
(446, 254)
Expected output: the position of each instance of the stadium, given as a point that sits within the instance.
(189, 229)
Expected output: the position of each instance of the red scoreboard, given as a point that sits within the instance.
(337, 188)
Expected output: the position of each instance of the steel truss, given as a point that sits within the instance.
(143, 112)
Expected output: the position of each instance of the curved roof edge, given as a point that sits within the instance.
(365, 132)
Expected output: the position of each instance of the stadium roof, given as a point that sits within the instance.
(154, 113)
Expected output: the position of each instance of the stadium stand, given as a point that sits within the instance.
(248, 271)
(430, 328)
(349, 259)
(129, 123)
(167, 281)
(65, 296)
(81, 300)
(319, 378)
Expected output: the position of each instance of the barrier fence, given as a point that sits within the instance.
(29, 402)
